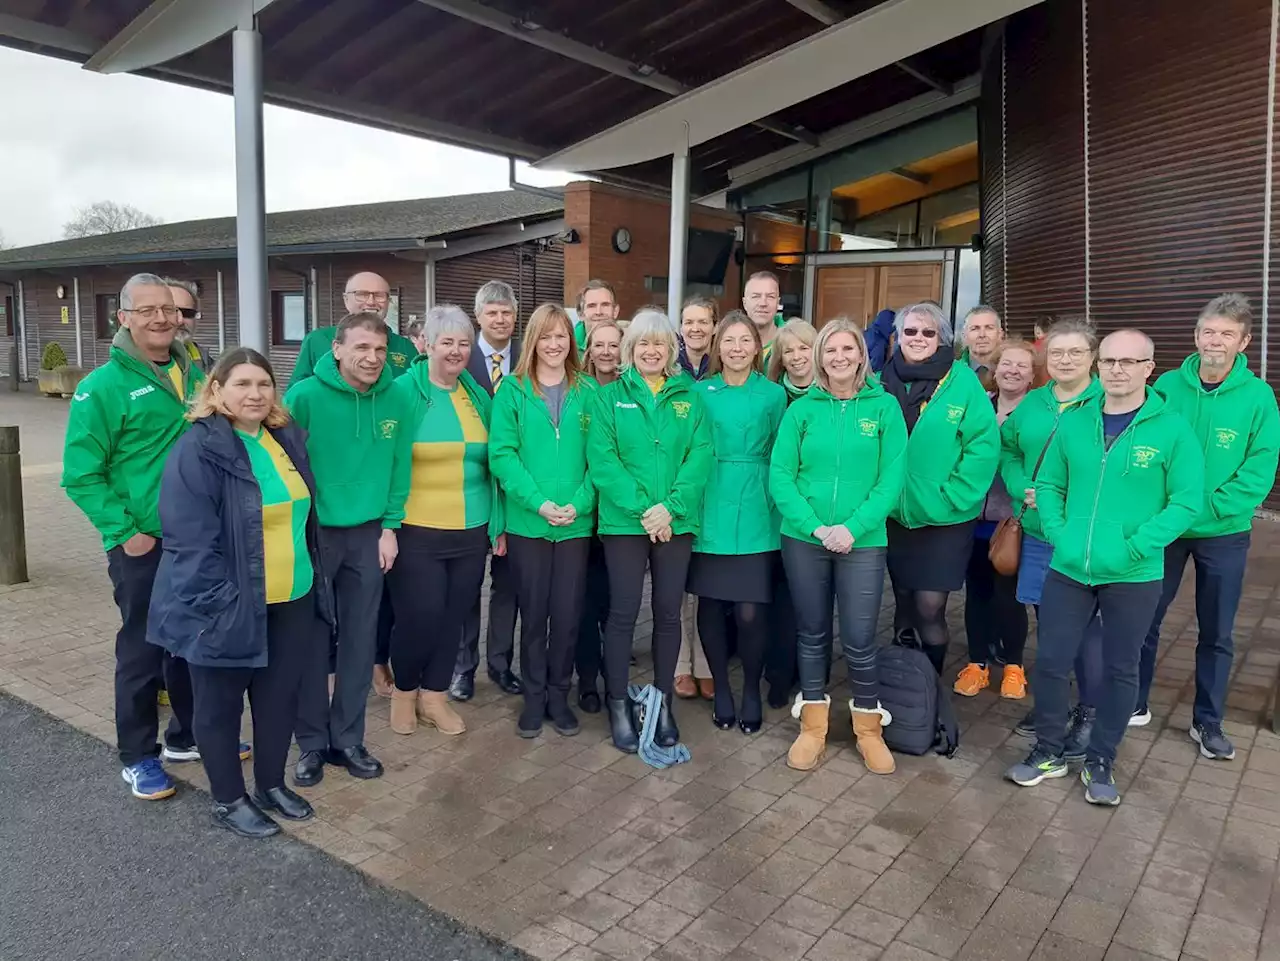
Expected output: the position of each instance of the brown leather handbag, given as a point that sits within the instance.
(1005, 549)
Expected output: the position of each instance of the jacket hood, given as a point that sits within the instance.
(872, 388)
(1238, 376)
(419, 374)
(328, 373)
(132, 354)
(678, 383)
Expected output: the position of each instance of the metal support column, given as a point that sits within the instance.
(75, 293)
(677, 266)
(251, 242)
(222, 316)
(429, 281)
(24, 368)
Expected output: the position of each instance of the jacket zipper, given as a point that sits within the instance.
(835, 488)
(1097, 496)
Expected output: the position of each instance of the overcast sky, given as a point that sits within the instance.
(71, 137)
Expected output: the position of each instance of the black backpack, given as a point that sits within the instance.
(914, 693)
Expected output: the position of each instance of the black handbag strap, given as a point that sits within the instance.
(1035, 471)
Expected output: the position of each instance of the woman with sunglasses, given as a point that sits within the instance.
(953, 447)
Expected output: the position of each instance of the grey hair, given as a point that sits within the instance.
(496, 292)
(188, 285)
(415, 328)
(1073, 324)
(649, 324)
(1234, 307)
(946, 336)
(138, 280)
(446, 319)
(983, 309)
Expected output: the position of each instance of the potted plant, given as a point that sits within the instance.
(57, 378)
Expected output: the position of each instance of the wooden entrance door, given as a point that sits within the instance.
(859, 292)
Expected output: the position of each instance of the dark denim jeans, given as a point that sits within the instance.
(1219, 582)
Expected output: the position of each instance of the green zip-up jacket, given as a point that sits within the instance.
(535, 461)
(355, 439)
(1238, 428)
(644, 450)
(840, 462)
(738, 515)
(1024, 435)
(401, 352)
(580, 336)
(1110, 513)
(952, 454)
(124, 417)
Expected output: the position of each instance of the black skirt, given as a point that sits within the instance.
(741, 578)
(929, 558)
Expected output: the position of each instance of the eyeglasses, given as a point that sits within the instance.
(377, 296)
(1126, 364)
(1065, 353)
(151, 313)
(924, 332)
(189, 313)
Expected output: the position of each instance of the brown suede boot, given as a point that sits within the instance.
(404, 711)
(809, 747)
(867, 724)
(434, 709)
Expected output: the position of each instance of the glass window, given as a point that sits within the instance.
(393, 311)
(288, 317)
(105, 320)
(6, 308)
(950, 219)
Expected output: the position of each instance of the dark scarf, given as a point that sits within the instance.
(914, 384)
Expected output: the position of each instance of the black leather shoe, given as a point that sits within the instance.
(310, 769)
(751, 710)
(244, 818)
(463, 687)
(622, 725)
(749, 727)
(561, 716)
(507, 681)
(724, 723)
(284, 802)
(589, 701)
(358, 762)
(665, 733)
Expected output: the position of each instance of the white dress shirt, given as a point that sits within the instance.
(488, 350)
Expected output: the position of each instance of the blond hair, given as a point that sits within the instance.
(543, 320)
(797, 328)
(209, 400)
(841, 325)
(589, 364)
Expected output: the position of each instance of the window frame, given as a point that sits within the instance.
(106, 322)
(278, 299)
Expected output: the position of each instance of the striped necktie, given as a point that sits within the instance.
(495, 372)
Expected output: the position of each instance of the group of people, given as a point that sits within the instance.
(297, 545)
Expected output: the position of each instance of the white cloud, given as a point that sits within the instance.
(72, 137)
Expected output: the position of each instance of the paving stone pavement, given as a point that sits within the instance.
(570, 850)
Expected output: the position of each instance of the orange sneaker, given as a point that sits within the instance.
(972, 680)
(1013, 684)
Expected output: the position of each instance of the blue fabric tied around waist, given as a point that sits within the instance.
(650, 700)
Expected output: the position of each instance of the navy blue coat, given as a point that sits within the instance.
(209, 603)
(879, 332)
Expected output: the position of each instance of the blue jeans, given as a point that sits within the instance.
(855, 582)
(1069, 607)
(1219, 582)
(1033, 568)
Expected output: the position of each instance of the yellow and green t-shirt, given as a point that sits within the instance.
(450, 487)
(175, 376)
(286, 502)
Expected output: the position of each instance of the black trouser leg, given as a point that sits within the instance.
(500, 639)
(1067, 607)
(219, 703)
(780, 658)
(386, 620)
(668, 572)
(979, 604)
(1011, 616)
(568, 584)
(589, 648)
(357, 588)
(626, 556)
(177, 681)
(139, 665)
(532, 563)
(296, 636)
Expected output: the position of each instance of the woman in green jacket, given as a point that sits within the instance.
(791, 360)
(731, 571)
(649, 454)
(837, 471)
(538, 453)
(952, 452)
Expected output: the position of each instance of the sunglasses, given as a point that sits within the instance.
(189, 313)
(925, 332)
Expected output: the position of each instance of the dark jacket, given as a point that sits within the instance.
(879, 333)
(209, 603)
(478, 365)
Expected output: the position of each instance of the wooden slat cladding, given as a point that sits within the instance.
(991, 151)
(536, 275)
(1178, 120)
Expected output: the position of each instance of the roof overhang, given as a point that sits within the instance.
(167, 29)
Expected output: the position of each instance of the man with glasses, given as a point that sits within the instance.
(186, 298)
(1234, 417)
(761, 299)
(124, 418)
(366, 293)
(1123, 479)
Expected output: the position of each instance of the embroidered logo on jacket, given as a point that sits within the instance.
(681, 407)
(388, 429)
(1145, 456)
(141, 392)
(398, 359)
(868, 427)
(1225, 436)
(954, 414)
(585, 421)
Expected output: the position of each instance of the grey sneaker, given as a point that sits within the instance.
(1099, 784)
(1027, 726)
(1213, 743)
(1141, 717)
(1079, 730)
(1040, 764)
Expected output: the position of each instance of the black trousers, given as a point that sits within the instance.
(589, 653)
(296, 638)
(500, 639)
(139, 665)
(551, 578)
(177, 682)
(434, 583)
(386, 620)
(627, 555)
(994, 620)
(350, 559)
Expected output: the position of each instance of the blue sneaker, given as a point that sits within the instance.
(1040, 764)
(192, 753)
(1099, 784)
(1213, 743)
(149, 780)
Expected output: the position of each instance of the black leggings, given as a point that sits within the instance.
(994, 620)
(753, 637)
(550, 578)
(926, 613)
(595, 616)
(626, 555)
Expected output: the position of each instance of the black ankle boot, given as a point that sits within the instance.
(665, 732)
(622, 725)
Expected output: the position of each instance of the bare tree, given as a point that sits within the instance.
(106, 217)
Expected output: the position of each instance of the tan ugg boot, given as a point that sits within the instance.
(867, 724)
(404, 711)
(809, 747)
(434, 709)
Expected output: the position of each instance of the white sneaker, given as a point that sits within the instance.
(1140, 718)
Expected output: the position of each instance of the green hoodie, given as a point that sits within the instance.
(401, 352)
(124, 417)
(644, 450)
(738, 515)
(1109, 514)
(1239, 431)
(1024, 435)
(535, 461)
(355, 439)
(952, 454)
(840, 462)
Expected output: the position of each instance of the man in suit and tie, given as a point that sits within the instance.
(494, 357)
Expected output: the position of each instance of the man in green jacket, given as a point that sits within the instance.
(1236, 424)
(365, 293)
(124, 418)
(355, 439)
(1122, 480)
(597, 302)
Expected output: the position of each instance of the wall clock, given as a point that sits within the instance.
(622, 240)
